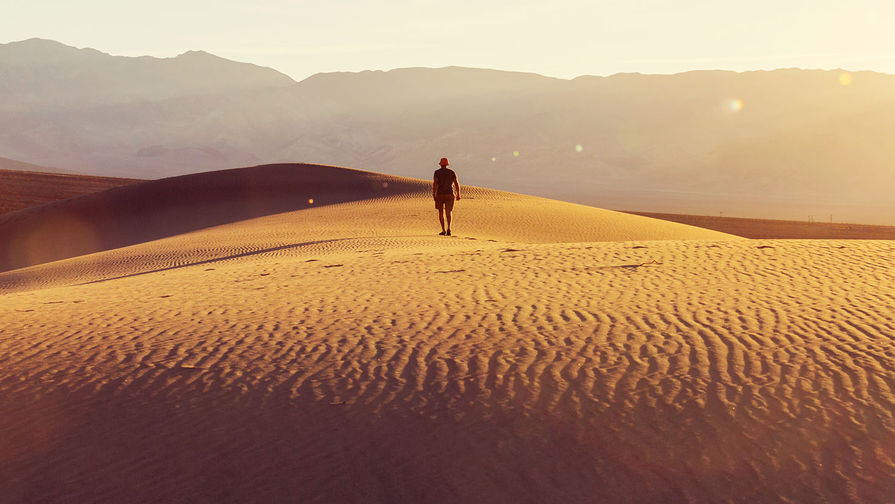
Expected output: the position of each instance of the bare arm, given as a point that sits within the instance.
(457, 186)
(434, 187)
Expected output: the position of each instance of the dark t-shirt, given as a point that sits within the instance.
(445, 178)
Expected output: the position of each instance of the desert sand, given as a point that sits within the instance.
(221, 338)
(24, 188)
(780, 229)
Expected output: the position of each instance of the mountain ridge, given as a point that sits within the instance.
(667, 143)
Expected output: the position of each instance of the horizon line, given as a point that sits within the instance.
(464, 67)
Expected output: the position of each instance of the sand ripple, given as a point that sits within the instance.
(392, 369)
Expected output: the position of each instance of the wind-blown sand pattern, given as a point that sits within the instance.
(345, 354)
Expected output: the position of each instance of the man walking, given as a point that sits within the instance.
(443, 192)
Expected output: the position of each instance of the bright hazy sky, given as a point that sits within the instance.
(561, 38)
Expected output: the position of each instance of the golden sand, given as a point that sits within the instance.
(548, 353)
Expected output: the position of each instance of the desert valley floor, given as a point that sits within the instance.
(298, 333)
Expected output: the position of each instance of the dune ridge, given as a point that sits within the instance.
(158, 209)
(308, 356)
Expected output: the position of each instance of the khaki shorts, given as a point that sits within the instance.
(445, 201)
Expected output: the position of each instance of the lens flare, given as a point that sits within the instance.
(845, 79)
(493, 159)
(579, 148)
(515, 153)
(310, 201)
(52, 238)
(736, 105)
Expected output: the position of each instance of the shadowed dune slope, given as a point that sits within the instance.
(162, 208)
(21, 189)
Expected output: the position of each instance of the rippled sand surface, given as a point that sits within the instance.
(548, 353)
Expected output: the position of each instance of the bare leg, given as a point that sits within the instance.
(441, 218)
(448, 221)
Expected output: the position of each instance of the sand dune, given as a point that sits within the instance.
(20, 188)
(342, 353)
(780, 229)
(160, 208)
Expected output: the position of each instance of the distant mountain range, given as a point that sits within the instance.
(785, 143)
(12, 164)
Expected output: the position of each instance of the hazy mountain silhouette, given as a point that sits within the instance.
(12, 164)
(801, 144)
(46, 74)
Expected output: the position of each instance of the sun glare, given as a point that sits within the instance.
(310, 201)
(736, 105)
(579, 148)
(515, 153)
(845, 79)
